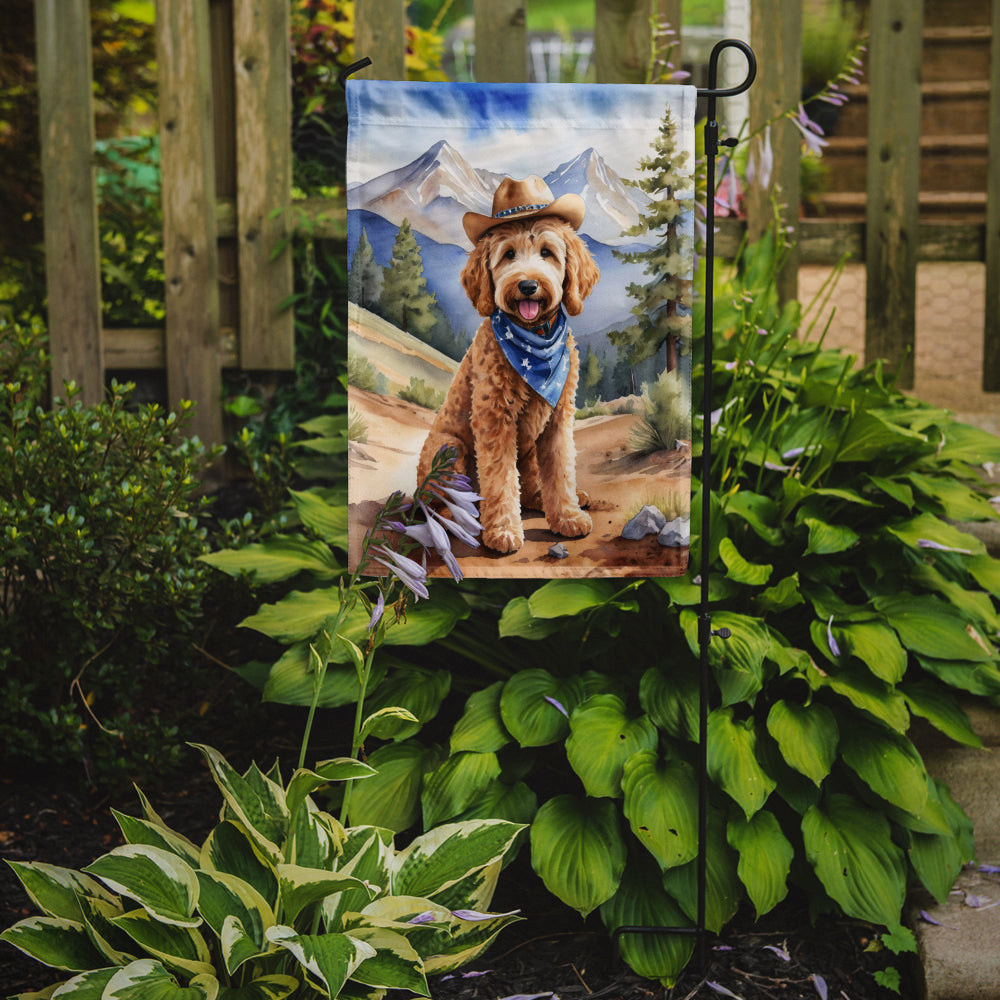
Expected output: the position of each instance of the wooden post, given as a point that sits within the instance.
(991, 333)
(380, 34)
(72, 255)
(622, 40)
(501, 38)
(262, 60)
(893, 183)
(190, 254)
(776, 33)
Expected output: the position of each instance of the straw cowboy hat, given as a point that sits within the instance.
(527, 199)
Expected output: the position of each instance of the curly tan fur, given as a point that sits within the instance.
(510, 441)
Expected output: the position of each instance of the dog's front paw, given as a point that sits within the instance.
(503, 539)
(572, 524)
(583, 498)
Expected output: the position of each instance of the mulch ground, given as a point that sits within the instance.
(550, 953)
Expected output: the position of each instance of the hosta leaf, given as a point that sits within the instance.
(180, 948)
(159, 881)
(578, 851)
(739, 569)
(661, 799)
(98, 916)
(559, 598)
(876, 646)
(641, 901)
(230, 849)
(850, 848)
(723, 889)
(56, 891)
(864, 691)
(456, 784)
(785, 594)
(141, 831)
(330, 959)
(87, 986)
(928, 528)
(441, 857)
(301, 887)
(758, 511)
(225, 897)
(147, 979)
(932, 628)
(481, 728)
(671, 700)
(517, 620)
(304, 782)
(530, 706)
(387, 723)
(957, 501)
(870, 435)
(738, 661)
(291, 680)
(391, 798)
(466, 941)
(827, 539)
(602, 738)
(765, 858)
(395, 964)
(516, 803)
(807, 736)
(976, 678)
(54, 941)
(280, 557)
(936, 704)
(986, 571)
(274, 987)
(732, 760)
(417, 690)
(367, 856)
(888, 763)
(937, 859)
(327, 520)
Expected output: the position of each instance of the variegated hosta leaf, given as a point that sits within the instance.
(476, 890)
(141, 831)
(116, 946)
(256, 801)
(642, 902)
(87, 986)
(54, 941)
(456, 784)
(395, 964)
(304, 782)
(732, 760)
(535, 706)
(723, 889)
(328, 959)
(850, 847)
(158, 880)
(275, 987)
(661, 805)
(225, 897)
(147, 979)
(807, 736)
(602, 737)
(177, 947)
(441, 857)
(367, 853)
(300, 887)
(578, 851)
(56, 891)
(315, 838)
(481, 727)
(765, 858)
(467, 941)
(230, 849)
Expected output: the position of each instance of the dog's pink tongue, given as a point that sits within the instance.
(528, 309)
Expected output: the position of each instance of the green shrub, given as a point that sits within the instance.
(666, 415)
(280, 900)
(99, 539)
(419, 392)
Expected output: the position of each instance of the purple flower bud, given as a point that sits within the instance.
(377, 612)
(558, 705)
(831, 642)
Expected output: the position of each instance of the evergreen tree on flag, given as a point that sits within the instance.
(405, 300)
(364, 281)
(663, 303)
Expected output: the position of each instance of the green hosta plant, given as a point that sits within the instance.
(279, 900)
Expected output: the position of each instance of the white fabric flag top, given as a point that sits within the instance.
(520, 272)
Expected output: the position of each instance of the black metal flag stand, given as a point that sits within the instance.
(705, 631)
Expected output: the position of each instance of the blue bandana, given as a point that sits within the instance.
(540, 356)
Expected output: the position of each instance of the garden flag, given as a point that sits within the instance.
(520, 267)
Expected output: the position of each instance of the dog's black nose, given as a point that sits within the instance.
(527, 287)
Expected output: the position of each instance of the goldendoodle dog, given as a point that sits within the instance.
(509, 411)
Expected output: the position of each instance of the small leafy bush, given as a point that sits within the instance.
(419, 392)
(99, 546)
(666, 415)
(280, 899)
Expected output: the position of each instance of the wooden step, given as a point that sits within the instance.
(939, 13)
(956, 53)
(947, 162)
(957, 206)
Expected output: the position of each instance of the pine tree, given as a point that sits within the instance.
(364, 280)
(663, 303)
(405, 300)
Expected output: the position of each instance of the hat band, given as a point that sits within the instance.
(519, 208)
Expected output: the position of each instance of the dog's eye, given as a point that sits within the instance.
(510, 255)
(546, 252)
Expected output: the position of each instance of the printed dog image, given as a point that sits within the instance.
(510, 410)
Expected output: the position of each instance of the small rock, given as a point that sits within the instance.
(676, 533)
(648, 521)
(559, 551)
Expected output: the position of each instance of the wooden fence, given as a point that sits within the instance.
(226, 161)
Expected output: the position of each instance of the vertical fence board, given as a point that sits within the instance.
(621, 40)
(893, 183)
(262, 60)
(72, 257)
(190, 254)
(501, 41)
(776, 33)
(380, 34)
(991, 332)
